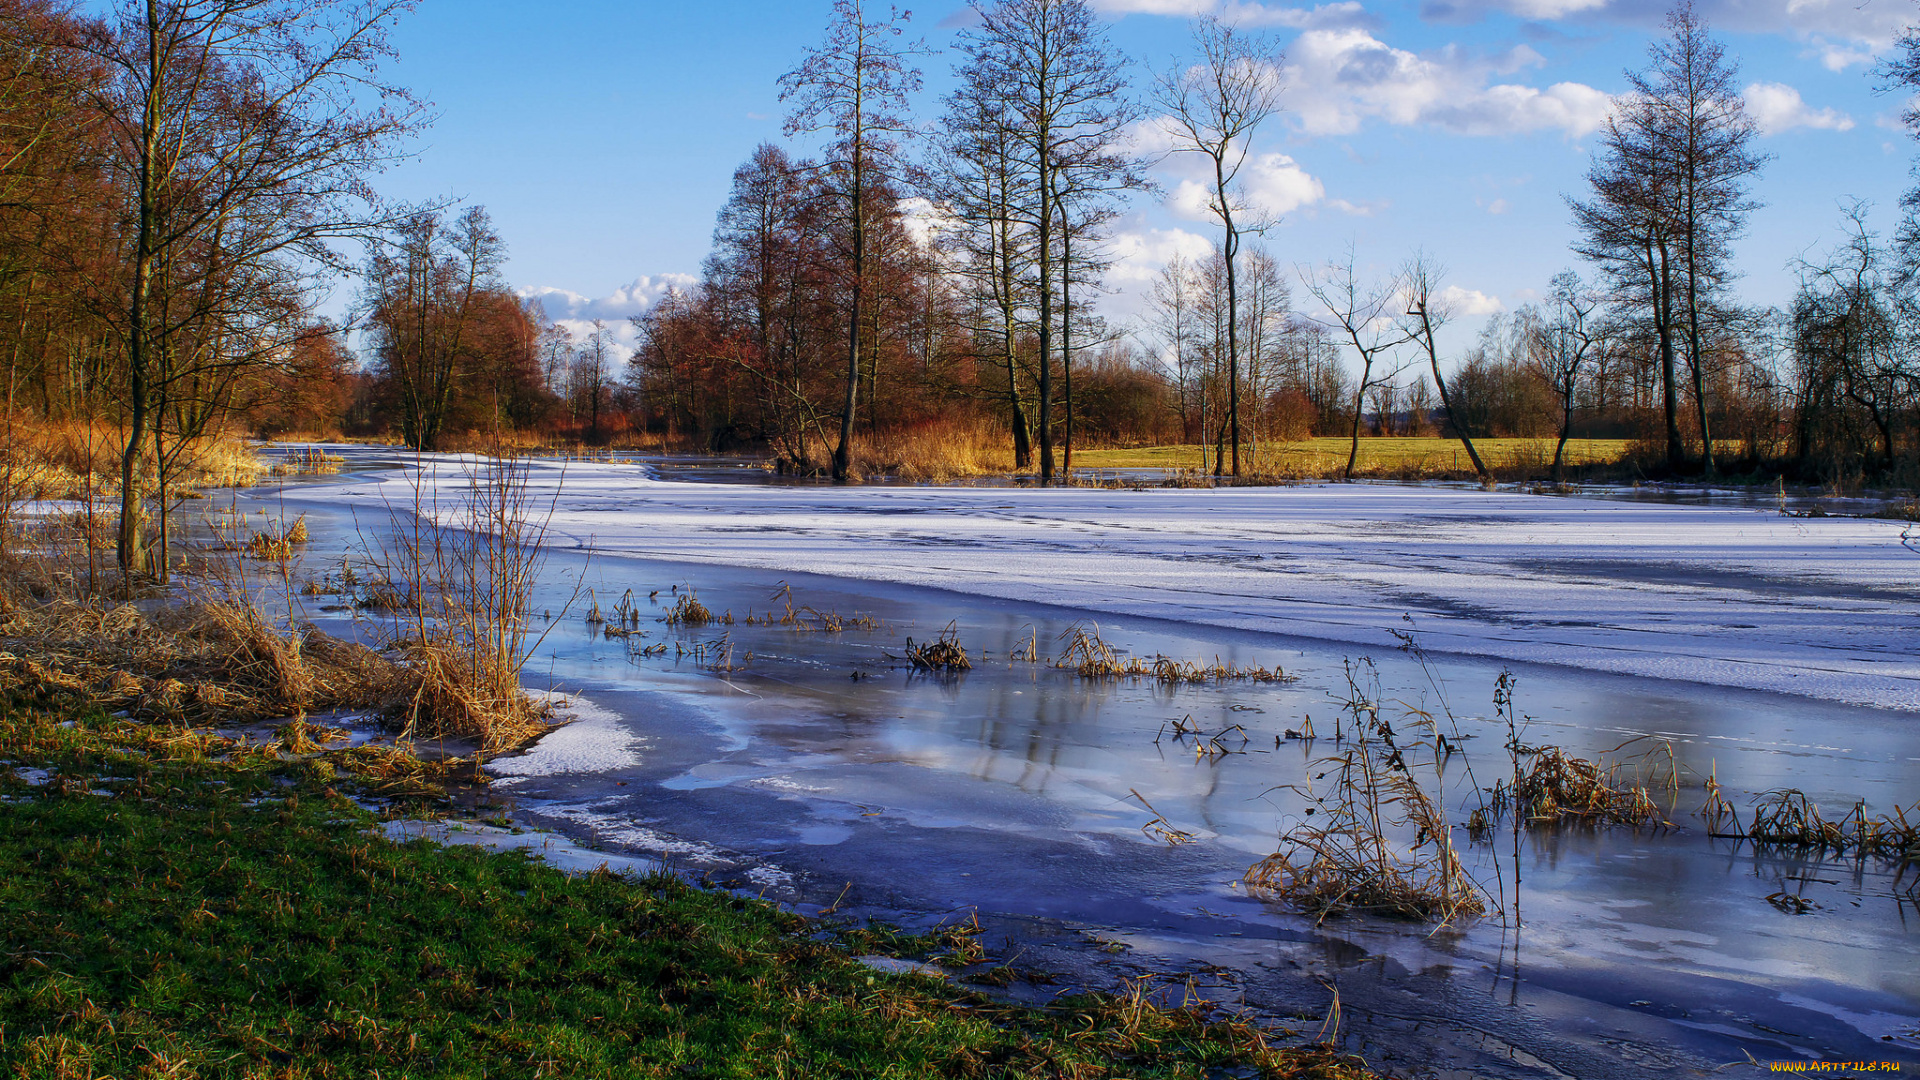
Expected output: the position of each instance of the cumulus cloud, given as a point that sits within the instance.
(1272, 185)
(1339, 79)
(1139, 255)
(1470, 302)
(576, 313)
(1246, 12)
(1842, 32)
(1777, 107)
(633, 298)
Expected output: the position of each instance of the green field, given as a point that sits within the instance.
(174, 905)
(1389, 456)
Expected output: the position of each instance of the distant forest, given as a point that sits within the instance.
(183, 182)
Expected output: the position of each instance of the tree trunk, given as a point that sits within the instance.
(1231, 248)
(1669, 377)
(843, 454)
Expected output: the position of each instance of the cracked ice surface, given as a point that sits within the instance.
(1827, 608)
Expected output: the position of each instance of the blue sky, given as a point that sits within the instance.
(602, 133)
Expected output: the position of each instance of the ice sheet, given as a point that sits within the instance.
(1827, 608)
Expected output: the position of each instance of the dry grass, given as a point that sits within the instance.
(944, 654)
(1089, 656)
(1377, 839)
(688, 611)
(949, 450)
(1788, 818)
(1559, 787)
(459, 580)
(70, 460)
(1380, 458)
(212, 660)
(810, 618)
(306, 461)
(278, 544)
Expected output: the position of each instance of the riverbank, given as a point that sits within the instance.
(180, 901)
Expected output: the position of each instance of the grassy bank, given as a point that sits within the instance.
(1385, 457)
(179, 904)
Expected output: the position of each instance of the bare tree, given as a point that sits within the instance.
(1065, 88)
(1561, 341)
(1705, 134)
(1173, 322)
(980, 183)
(1427, 311)
(1361, 313)
(270, 109)
(855, 85)
(596, 373)
(421, 294)
(1214, 108)
(1669, 199)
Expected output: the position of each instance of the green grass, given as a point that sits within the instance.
(1387, 455)
(172, 907)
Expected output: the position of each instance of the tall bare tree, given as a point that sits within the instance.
(980, 184)
(218, 109)
(1670, 197)
(1705, 134)
(423, 292)
(1065, 88)
(1427, 311)
(1561, 342)
(1361, 312)
(1213, 108)
(855, 85)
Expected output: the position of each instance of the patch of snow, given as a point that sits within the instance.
(781, 783)
(33, 777)
(895, 966)
(594, 741)
(617, 828)
(768, 877)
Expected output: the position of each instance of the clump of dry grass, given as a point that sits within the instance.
(212, 660)
(462, 578)
(1089, 655)
(1560, 787)
(946, 450)
(810, 618)
(306, 461)
(944, 654)
(277, 545)
(688, 611)
(1786, 817)
(1376, 840)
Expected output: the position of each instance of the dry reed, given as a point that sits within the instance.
(944, 654)
(1089, 655)
(688, 611)
(460, 581)
(1376, 840)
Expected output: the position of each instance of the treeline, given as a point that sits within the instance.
(882, 285)
(182, 182)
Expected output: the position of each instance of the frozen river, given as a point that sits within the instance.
(1769, 651)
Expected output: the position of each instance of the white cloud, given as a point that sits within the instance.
(1470, 302)
(1245, 13)
(1842, 32)
(1777, 107)
(575, 313)
(1138, 256)
(1272, 185)
(1339, 79)
(633, 298)
(1841, 56)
